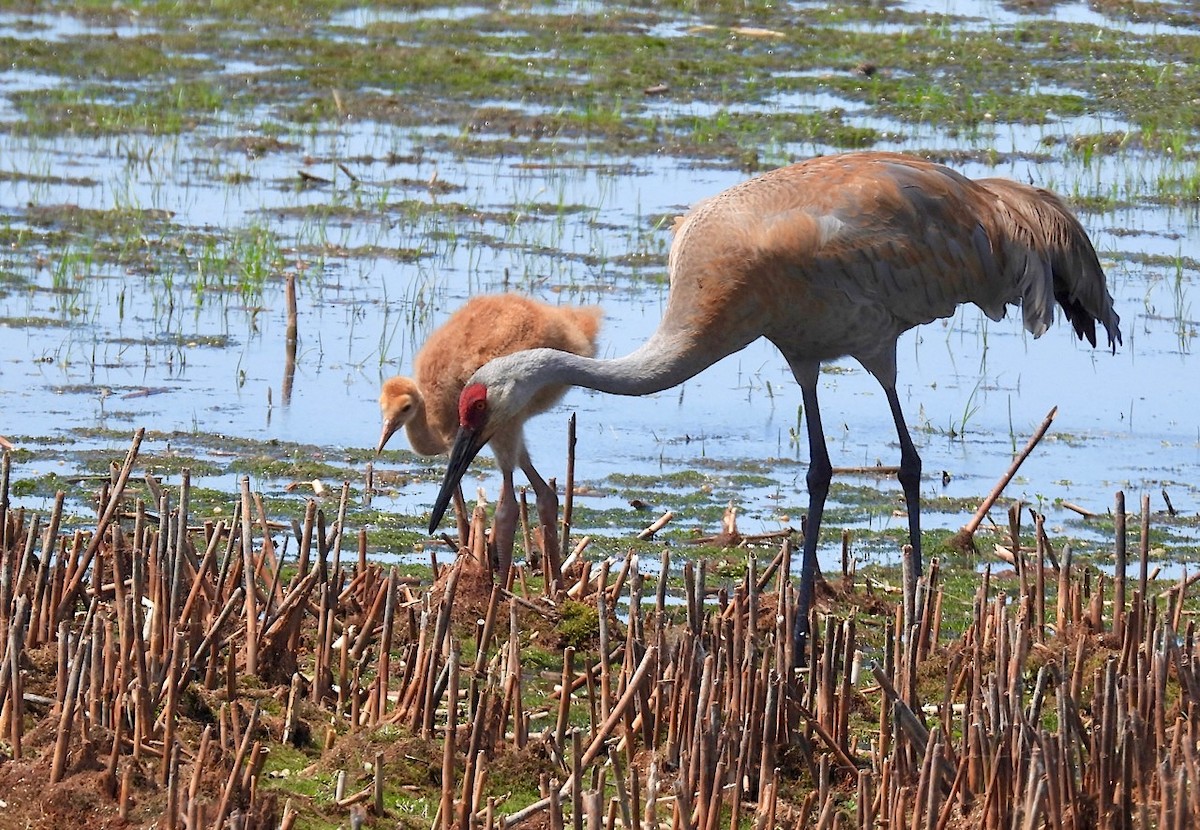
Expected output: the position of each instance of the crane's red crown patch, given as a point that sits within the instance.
(472, 406)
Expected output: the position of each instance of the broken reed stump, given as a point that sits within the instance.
(291, 339)
(1065, 713)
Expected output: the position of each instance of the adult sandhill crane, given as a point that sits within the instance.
(835, 256)
(426, 406)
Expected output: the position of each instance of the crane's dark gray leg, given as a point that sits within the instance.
(820, 473)
(910, 481)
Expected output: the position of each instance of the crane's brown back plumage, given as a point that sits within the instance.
(485, 327)
(840, 255)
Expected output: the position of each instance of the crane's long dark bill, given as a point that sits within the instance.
(467, 445)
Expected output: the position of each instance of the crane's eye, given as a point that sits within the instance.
(478, 406)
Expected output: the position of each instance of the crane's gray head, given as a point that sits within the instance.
(494, 398)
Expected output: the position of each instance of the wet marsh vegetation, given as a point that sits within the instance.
(164, 172)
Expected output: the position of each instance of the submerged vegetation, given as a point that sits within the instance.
(328, 134)
(558, 74)
(541, 81)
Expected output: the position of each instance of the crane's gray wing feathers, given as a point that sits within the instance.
(1035, 288)
(884, 244)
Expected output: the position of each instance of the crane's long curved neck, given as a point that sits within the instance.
(667, 359)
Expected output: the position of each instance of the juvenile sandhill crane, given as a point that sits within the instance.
(834, 256)
(426, 406)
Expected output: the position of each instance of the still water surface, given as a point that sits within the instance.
(127, 349)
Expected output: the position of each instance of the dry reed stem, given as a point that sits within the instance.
(964, 539)
(109, 512)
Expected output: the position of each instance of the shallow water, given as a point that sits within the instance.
(122, 349)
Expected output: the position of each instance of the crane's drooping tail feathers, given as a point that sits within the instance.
(1060, 263)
